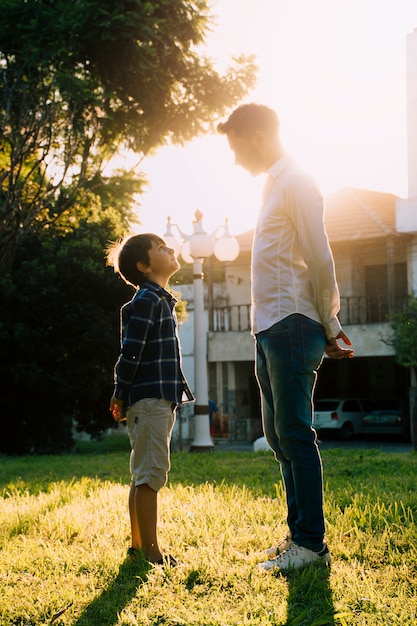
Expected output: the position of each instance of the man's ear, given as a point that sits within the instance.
(143, 267)
(259, 138)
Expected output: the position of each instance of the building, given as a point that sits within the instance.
(406, 214)
(371, 265)
(371, 259)
(373, 236)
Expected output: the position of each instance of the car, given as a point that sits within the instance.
(260, 444)
(342, 416)
(385, 422)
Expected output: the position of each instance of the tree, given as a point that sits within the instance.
(404, 341)
(82, 80)
(59, 333)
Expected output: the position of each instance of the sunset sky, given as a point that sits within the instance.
(334, 70)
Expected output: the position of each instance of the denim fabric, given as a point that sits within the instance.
(288, 356)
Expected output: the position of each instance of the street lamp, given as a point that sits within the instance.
(194, 249)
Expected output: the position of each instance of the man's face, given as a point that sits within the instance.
(247, 151)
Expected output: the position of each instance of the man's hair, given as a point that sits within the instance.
(248, 118)
(124, 256)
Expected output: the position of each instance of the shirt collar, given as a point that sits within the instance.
(149, 284)
(279, 166)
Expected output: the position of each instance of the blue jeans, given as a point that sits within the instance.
(288, 356)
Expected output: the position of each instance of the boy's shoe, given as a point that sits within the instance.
(167, 561)
(133, 554)
(296, 557)
(283, 545)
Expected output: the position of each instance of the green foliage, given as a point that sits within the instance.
(59, 328)
(81, 81)
(180, 307)
(404, 341)
(59, 332)
(64, 532)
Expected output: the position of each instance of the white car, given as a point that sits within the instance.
(260, 444)
(343, 416)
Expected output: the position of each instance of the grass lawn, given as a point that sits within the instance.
(64, 531)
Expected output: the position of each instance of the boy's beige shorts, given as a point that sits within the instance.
(150, 422)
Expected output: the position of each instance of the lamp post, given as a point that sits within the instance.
(194, 249)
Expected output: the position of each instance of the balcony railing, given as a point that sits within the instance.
(369, 309)
(227, 318)
(353, 310)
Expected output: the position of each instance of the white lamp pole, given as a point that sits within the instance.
(202, 439)
(196, 247)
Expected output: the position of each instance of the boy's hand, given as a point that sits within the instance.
(117, 410)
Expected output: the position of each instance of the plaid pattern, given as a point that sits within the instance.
(149, 365)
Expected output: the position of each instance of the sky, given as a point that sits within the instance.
(335, 72)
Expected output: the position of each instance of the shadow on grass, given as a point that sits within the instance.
(310, 600)
(106, 608)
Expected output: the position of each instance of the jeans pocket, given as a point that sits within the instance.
(314, 343)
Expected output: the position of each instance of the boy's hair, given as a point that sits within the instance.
(124, 256)
(249, 118)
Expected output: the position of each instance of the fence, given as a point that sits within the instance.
(353, 310)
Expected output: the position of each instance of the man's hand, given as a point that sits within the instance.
(335, 351)
(117, 410)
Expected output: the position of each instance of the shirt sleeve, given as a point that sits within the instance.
(135, 330)
(307, 213)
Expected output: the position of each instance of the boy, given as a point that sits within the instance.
(149, 382)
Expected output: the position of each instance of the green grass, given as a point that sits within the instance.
(64, 531)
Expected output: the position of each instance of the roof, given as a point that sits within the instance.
(245, 241)
(351, 215)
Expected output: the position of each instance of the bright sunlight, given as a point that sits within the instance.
(335, 73)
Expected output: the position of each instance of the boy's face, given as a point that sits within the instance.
(162, 262)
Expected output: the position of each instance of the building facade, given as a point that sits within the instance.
(371, 259)
(373, 236)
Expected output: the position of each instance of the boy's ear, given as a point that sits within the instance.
(143, 267)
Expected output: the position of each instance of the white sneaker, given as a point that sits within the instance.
(296, 557)
(283, 545)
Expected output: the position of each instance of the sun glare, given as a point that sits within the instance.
(335, 73)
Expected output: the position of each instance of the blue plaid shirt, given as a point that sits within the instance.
(149, 365)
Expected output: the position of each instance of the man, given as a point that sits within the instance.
(295, 302)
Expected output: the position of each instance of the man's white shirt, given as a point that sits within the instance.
(292, 264)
